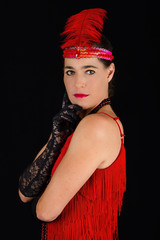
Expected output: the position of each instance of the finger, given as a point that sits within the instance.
(74, 107)
(71, 117)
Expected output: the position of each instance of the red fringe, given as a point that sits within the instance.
(93, 212)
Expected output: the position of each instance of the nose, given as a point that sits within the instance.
(80, 81)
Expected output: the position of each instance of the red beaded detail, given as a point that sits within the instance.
(103, 103)
(92, 52)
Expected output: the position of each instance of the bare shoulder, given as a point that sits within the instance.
(96, 130)
(101, 134)
(98, 125)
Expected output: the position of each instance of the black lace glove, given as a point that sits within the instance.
(66, 100)
(35, 178)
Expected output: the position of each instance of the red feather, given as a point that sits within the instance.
(84, 28)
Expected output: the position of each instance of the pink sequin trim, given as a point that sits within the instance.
(92, 52)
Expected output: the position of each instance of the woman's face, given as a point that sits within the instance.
(86, 81)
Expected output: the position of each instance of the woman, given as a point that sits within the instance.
(85, 153)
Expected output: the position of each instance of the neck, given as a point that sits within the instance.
(85, 113)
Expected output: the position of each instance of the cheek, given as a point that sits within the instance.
(99, 89)
(98, 85)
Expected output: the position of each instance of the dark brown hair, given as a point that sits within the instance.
(105, 43)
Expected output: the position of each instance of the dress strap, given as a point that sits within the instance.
(116, 118)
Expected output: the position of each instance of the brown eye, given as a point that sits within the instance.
(70, 72)
(90, 72)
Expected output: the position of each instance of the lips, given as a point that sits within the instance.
(80, 95)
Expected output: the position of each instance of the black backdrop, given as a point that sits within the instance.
(32, 71)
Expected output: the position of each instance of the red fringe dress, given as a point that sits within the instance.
(92, 214)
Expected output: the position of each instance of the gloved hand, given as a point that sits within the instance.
(66, 100)
(35, 178)
(65, 122)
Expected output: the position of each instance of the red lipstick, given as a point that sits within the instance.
(80, 95)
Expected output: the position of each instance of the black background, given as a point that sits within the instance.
(32, 75)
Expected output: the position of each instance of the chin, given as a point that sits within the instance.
(84, 105)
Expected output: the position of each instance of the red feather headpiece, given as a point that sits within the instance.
(83, 30)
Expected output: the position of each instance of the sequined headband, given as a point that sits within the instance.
(87, 52)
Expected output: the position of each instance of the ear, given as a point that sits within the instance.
(110, 72)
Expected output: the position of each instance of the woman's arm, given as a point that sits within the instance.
(35, 178)
(22, 197)
(95, 140)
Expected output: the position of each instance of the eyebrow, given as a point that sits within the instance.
(84, 67)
